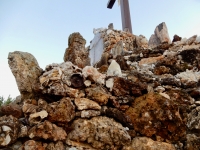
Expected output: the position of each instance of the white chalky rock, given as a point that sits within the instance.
(92, 72)
(114, 69)
(110, 83)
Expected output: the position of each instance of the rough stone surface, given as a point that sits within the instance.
(84, 104)
(160, 36)
(193, 142)
(62, 111)
(97, 94)
(141, 41)
(9, 129)
(194, 119)
(12, 109)
(100, 132)
(58, 79)
(153, 114)
(176, 38)
(76, 52)
(144, 143)
(26, 70)
(33, 145)
(48, 131)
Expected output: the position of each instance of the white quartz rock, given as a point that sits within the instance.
(114, 69)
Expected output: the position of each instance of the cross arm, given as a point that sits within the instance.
(110, 3)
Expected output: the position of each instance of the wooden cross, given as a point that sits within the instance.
(125, 14)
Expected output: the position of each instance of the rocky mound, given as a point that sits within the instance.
(121, 92)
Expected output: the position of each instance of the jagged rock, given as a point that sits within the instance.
(114, 69)
(194, 119)
(84, 104)
(153, 41)
(103, 61)
(160, 36)
(16, 146)
(118, 49)
(97, 94)
(33, 145)
(150, 60)
(33, 112)
(76, 52)
(153, 114)
(144, 143)
(55, 146)
(189, 78)
(197, 41)
(191, 40)
(9, 129)
(122, 63)
(118, 116)
(110, 26)
(93, 74)
(62, 111)
(26, 70)
(193, 142)
(48, 131)
(90, 113)
(141, 41)
(12, 109)
(124, 87)
(58, 78)
(176, 38)
(100, 133)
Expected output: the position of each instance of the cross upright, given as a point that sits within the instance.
(125, 14)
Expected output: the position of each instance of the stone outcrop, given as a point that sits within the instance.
(26, 70)
(133, 96)
(76, 51)
(160, 36)
(148, 144)
(100, 132)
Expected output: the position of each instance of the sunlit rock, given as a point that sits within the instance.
(48, 131)
(114, 69)
(9, 129)
(100, 133)
(26, 70)
(76, 52)
(144, 143)
(84, 104)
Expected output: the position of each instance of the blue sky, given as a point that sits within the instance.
(42, 27)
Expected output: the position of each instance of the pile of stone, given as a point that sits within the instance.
(130, 93)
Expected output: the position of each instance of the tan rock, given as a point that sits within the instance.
(153, 114)
(12, 109)
(192, 142)
(97, 94)
(150, 60)
(9, 129)
(62, 111)
(191, 40)
(55, 146)
(48, 131)
(33, 145)
(100, 132)
(160, 36)
(144, 143)
(76, 52)
(58, 79)
(141, 41)
(90, 113)
(26, 70)
(92, 73)
(84, 103)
